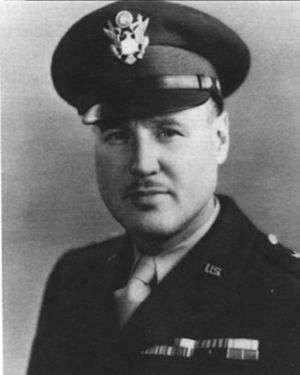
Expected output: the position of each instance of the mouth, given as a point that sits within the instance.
(146, 197)
(144, 193)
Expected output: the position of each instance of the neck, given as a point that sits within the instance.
(185, 237)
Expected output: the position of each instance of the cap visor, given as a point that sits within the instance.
(154, 103)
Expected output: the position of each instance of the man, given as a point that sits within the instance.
(193, 287)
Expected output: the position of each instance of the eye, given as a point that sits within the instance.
(116, 136)
(169, 133)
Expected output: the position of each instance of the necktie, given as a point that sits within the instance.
(137, 288)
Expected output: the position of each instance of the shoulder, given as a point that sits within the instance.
(86, 260)
(272, 271)
(270, 252)
(260, 254)
(95, 251)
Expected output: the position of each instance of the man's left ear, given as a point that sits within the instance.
(221, 127)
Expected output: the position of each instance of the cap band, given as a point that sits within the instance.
(184, 82)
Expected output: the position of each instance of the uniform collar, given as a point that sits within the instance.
(222, 252)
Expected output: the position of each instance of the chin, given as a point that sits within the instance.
(154, 227)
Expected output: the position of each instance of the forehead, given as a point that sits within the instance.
(179, 118)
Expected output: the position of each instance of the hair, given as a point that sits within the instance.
(218, 103)
(216, 109)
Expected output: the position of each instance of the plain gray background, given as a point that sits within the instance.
(50, 199)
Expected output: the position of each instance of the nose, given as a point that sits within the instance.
(144, 159)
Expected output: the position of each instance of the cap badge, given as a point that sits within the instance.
(129, 41)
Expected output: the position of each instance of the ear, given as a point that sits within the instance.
(221, 129)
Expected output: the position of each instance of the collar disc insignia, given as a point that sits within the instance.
(128, 37)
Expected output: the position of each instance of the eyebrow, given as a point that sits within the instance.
(165, 121)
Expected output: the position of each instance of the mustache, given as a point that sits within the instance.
(144, 185)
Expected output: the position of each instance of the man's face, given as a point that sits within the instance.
(157, 175)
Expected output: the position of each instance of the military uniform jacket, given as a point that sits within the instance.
(233, 284)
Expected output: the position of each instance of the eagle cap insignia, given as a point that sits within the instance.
(128, 37)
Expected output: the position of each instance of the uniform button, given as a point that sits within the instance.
(273, 239)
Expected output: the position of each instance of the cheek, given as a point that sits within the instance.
(198, 156)
(106, 171)
(112, 176)
(194, 169)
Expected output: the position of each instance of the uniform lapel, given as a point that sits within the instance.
(200, 288)
(118, 265)
(105, 278)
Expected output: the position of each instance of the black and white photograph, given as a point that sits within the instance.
(150, 187)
